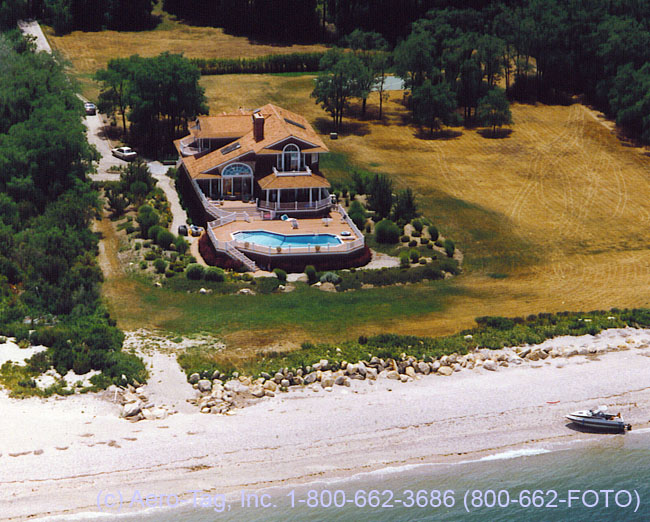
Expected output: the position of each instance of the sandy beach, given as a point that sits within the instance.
(59, 455)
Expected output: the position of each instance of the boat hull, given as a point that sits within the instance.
(598, 424)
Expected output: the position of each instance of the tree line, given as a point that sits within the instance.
(82, 15)
(157, 95)
(538, 50)
(274, 20)
(48, 273)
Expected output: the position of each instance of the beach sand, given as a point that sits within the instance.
(59, 455)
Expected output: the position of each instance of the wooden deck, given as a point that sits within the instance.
(305, 226)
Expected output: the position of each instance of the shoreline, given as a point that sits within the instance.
(58, 454)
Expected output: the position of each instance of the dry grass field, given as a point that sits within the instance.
(90, 51)
(555, 216)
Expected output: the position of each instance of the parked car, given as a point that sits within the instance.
(125, 153)
(196, 231)
(182, 230)
(91, 109)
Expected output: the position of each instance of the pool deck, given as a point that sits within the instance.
(305, 226)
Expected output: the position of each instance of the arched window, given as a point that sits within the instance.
(237, 169)
(291, 157)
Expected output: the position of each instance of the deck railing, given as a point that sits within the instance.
(229, 248)
(295, 205)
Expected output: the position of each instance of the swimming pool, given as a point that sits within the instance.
(271, 239)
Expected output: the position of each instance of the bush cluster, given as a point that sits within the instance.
(387, 232)
(274, 63)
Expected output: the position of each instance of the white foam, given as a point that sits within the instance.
(513, 454)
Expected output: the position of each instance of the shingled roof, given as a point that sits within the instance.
(279, 125)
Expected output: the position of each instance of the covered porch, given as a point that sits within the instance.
(294, 191)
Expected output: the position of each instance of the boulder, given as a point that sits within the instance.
(269, 393)
(327, 381)
(457, 367)
(435, 366)
(351, 369)
(445, 370)
(404, 378)
(159, 413)
(265, 375)
(235, 386)
(285, 383)
(410, 371)
(489, 364)
(194, 378)
(270, 386)
(533, 356)
(310, 378)
(361, 368)
(327, 287)
(392, 375)
(146, 413)
(424, 368)
(204, 385)
(131, 409)
(371, 373)
(341, 380)
(257, 391)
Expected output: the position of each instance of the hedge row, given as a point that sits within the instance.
(273, 63)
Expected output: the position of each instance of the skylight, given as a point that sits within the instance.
(230, 148)
(294, 123)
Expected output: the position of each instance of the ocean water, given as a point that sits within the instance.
(602, 477)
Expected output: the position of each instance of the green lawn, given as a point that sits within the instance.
(316, 313)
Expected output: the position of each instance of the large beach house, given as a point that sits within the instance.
(256, 176)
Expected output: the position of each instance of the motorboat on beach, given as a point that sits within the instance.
(600, 419)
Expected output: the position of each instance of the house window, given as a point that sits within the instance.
(291, 157)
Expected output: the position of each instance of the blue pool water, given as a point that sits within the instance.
(271, 239)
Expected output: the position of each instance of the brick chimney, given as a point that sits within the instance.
(258, 126)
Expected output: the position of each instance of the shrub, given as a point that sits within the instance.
(280, 274)
(430, 246)
(267, 285)
(160, 265)
(214, 273)
(438, 243)
(194, 271)
(413, 243)
(368, 228)
(330, 277)
(129, 229)
(143, 265)
(449, 247)
(164, 238)
(424, 241)
(414, 255)
(147, 218)
(154, 231)
(423, 261)
(404, 261)
(387, 232)
(138, 245)
(358, 214)
(433, 232)
(417, 225)
(150, 256)
(169, 273)
(181, 245)
(310, 271)
(415, 233)
(404, 239)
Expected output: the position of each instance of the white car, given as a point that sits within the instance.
(125, 153)
(90, 108)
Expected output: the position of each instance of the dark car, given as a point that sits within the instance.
(182, 230)
(91, 109)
